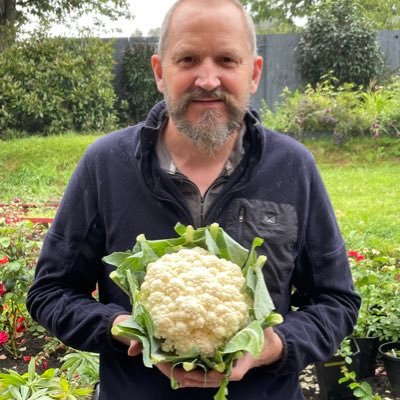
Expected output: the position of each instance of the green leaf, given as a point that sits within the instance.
(250, 339)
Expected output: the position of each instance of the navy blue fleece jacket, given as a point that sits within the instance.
(118, 192)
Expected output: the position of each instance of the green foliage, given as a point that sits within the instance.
(377, 281)
(338, 39)
(49, 385)
(82, 364)
(361, 390)
(49, 85)
(285, 11)
(139, 90)
(19, 248)
(383, 14)
(340, 111)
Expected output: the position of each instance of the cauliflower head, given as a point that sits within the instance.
(197, 301)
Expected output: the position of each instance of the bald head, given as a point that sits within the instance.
(206, 4)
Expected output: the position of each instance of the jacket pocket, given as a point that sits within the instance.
(277, 224)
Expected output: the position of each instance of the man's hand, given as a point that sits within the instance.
(195, 378)
(272, 352)
(135, 347)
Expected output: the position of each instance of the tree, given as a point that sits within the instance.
(137, 33)
(339, 41)
(285, 10)
(384, 14)
(154, 32)
(15, 13)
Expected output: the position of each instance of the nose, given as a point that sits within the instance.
(208, 76)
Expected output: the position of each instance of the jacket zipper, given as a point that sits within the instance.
(240, 218)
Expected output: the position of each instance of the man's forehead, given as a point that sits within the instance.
(204, 7)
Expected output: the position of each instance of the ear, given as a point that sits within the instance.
(158, 72)
(257, 72)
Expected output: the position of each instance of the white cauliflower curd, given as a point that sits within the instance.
(197, 301)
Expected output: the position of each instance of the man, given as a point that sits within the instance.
(200, 157)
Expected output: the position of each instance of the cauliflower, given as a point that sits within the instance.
(196, 300)
(199, 300)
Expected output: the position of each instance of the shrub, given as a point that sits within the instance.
(50, 85)
(338, 39)
(139, 89)
(340, 111)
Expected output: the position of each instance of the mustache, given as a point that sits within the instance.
(199, 93)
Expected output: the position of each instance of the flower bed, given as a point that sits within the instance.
(22, 341)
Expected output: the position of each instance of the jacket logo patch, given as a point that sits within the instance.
(270, 218)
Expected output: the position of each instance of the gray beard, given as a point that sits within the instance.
(211, 132)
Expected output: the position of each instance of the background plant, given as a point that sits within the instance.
(377, 281)
(339, 111)
(340, 39)
(49, 385)
(19, 247)
(138, 89)
(50, 85)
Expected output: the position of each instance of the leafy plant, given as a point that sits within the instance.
(47, 386)
(50, 85)
(138, 89)
(361, 390)
(82, 364)
(337, 110)
(377, 281)
(340, 40)
(19, 247)
(393, 353)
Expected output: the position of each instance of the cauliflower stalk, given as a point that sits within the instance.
(198, 300)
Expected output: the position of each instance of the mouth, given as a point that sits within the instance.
(207, 101)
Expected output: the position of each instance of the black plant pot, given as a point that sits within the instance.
(392, 365)
(329, 372)
(367, 358)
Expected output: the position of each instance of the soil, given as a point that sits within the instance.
(49, 353)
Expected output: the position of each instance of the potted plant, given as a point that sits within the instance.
(390, 353)
(330, 372)
(375, 278)
(365, 332)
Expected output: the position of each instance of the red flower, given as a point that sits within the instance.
(45, 364)
(4, 260)
(27, 358)
(20, 324)
(3, 337)
(3, 289)
(355, 254)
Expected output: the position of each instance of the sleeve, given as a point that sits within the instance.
(324, 303)
(60, 298)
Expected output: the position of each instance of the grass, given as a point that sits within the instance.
(362, 177)
(37, 169)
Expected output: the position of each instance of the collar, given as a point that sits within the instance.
(167, 164)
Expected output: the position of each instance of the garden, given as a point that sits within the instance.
(57, 96)
(361, 175)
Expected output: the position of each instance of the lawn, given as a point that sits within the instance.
(362, 177)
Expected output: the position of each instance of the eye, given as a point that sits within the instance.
(228, 61)
(186, 61)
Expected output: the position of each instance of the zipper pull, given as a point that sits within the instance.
(241, 214)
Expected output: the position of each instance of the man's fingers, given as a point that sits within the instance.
(134, 348)
(194, 378)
